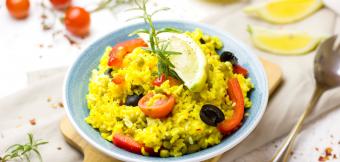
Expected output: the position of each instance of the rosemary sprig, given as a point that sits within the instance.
(157, 47)
(23, 151)
(110, 4)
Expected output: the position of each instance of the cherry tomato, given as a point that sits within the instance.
(238, 69)
(121, 49)
(118, 79)
(129, 144)
(235, 94)
(61, 4)
(77, 21)
(159, 80)
(159, 109)
(18, 8)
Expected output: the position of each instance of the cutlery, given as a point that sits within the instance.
(327, 76)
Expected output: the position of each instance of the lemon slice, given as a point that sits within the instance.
(284, 42)
(284, 11)
(191, 64)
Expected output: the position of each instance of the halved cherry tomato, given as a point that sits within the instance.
(235, 94)
(18, 8)
(159, 80)
(121, 49)
(77, 21)
(238, 69)
(159, 109)
(118, 79)
(129, 144)
(61, 4)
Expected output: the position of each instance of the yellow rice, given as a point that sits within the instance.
(183, 131)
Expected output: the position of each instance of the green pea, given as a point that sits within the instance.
(164, 153)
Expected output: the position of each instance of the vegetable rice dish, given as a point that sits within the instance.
(167, 93)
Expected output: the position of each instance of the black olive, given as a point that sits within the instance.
(108, 72)
(202, 41)
(211, 115)
(132, 100)
(228, 56)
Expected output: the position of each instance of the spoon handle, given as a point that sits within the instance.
(283, 153)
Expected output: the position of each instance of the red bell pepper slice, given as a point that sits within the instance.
(118, 79)
(235, 94)
(128, 143)
(121, 49)
(159, 80)
(238, 69)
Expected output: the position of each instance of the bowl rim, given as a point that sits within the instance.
(201, 157)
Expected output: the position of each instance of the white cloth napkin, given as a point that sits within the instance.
(283, 109)
(333, 4)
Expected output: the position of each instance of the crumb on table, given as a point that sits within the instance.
(33, 121)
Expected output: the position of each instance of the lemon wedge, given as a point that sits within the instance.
(284, 11)
(191, 64)
(284, 42)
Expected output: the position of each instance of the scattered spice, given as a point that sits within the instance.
(33, 121)
(49, 99)
(47, 13)
(316, 149)
(322, 158)
(40, 45)
(327, 155)
(61, 105)
(70, 40)
(328, 151)
(291, 153)
(54, 106)
(58, 148)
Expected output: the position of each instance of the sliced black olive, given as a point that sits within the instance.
(228, 56)
(108, 72)
(132, 100)
(202, 41)
(211, 115)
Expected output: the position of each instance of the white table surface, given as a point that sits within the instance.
(20, 54)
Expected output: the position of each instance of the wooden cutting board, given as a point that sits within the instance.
(91, 154)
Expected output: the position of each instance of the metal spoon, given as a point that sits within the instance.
(327, 76)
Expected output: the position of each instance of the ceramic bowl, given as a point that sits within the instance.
(77, 79)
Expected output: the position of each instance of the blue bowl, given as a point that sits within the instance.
(77, 79)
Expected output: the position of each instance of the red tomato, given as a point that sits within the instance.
(18, 8)
(129, 144)
(61, 4)
(77, 21)
(159, 80)
(159, 109)
(235, 94)
(238, 69)
(121, 49)
(118, 79)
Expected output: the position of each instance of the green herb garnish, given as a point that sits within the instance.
(110, 4)
(19, 151)
(157, 47)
